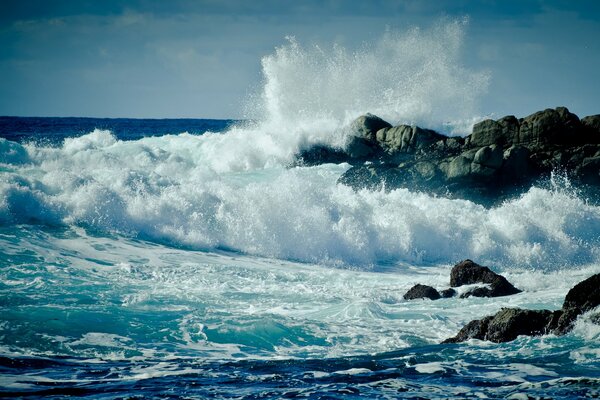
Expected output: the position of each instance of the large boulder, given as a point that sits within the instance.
(362, 142)
(551, 127)
(468, 272)
(422, 292)
(503, 132)
(366, 126)
(583, 297)
(506, 325)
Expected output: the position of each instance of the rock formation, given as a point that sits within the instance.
(499, 159)
(509, 323)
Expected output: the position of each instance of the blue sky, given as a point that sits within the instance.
(201, 59)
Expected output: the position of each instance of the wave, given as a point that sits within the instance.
(164, 189)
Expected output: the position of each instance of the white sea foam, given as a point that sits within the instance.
(163, 189)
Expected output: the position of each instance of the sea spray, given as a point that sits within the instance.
(412, 77)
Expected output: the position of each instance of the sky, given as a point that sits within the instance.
(202, 59)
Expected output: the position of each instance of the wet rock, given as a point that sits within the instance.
(406, 139)
(321, 154)
(421, 292)
(366, 126)
(468, 272)
(592, 126)
(551, 126)
(499, 160)
(509, 323)
(505, 326)
(503, 132)
(583, 297)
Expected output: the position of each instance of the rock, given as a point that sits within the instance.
(366, 126)
(583, 297)
(487, 160)
(406, 139)
(503, 132)
(592, 126)
(422, 291)
(476, 329)
(362, 142)
(516, 163)
(468, 272)
(321, 154)
(360, 148)
(558, 126)
(459, 167)
(589, 170)
(498, 161)
(506, 325)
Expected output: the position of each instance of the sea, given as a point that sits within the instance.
(192, 258)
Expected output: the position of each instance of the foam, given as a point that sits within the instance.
(166, 189)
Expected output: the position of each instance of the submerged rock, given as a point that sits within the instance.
(421, 292)
(468, 272)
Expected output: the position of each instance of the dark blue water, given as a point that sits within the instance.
(54, 130)
(114, 282)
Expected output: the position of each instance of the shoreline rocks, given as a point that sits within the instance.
(499, 159)
(509, 323)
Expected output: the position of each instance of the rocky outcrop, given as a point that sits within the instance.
(583, 297)
(499, 159)
(506, 325)
(422, 292)
(509, 323)
(468, 272)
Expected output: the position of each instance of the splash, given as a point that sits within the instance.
(413, 77)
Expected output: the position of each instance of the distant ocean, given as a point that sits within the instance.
(146, 258)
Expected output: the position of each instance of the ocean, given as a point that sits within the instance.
(146, 258)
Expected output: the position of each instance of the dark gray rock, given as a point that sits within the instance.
(321, 154)
(468, 272)
(503, 132)
(422, 292)
(583, 297)
(506, 325)
(592, 126)
(406, 139)
(366, 126)
(551, 126)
